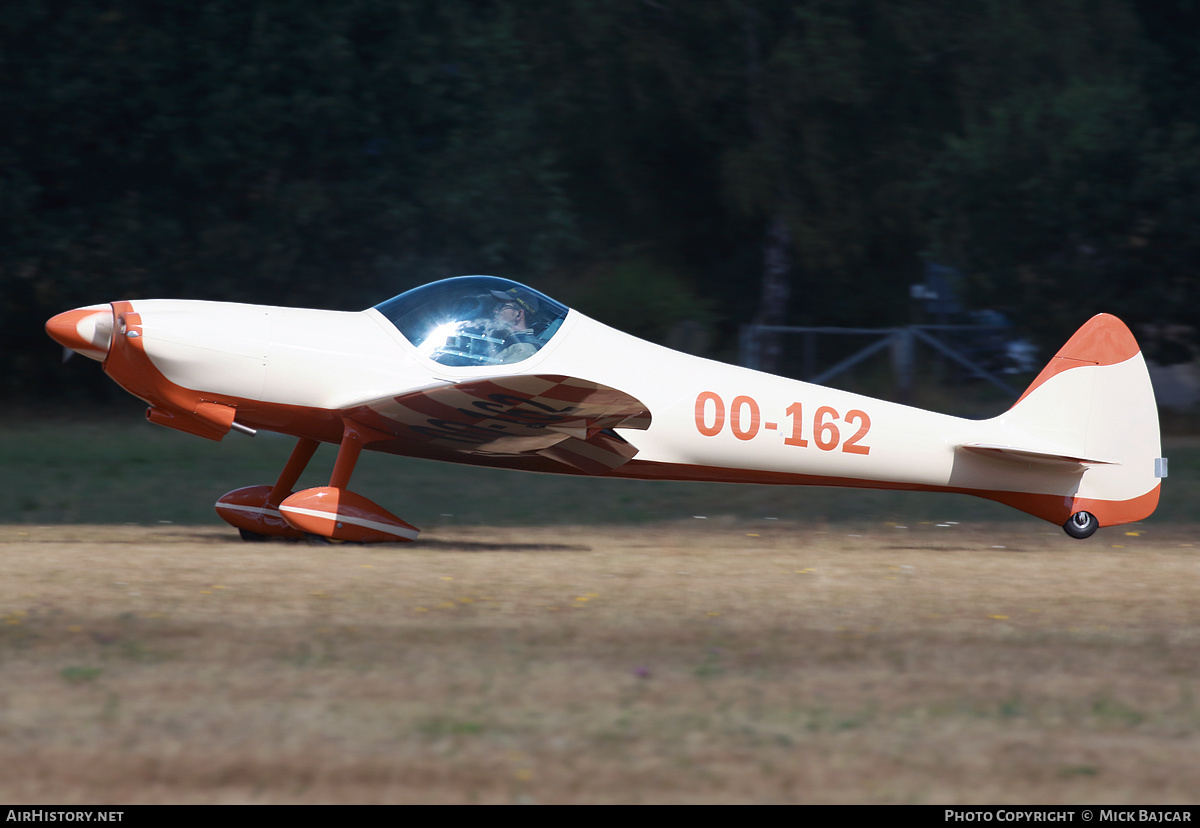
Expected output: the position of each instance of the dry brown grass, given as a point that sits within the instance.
(709, 661)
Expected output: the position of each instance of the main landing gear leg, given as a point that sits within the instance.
(347, 458)
(254, 510)
(335, 512)
(296, 464)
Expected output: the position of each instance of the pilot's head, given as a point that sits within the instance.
(516, 308)
(523, 299)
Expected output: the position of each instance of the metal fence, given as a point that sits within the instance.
(759, 348)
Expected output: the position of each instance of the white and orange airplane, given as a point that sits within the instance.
(486, 371)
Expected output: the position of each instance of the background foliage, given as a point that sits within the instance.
(643, 160)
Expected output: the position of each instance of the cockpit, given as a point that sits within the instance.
(475, 320)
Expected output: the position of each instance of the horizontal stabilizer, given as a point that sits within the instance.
(1013, 454)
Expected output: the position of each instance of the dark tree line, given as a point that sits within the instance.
(649, 161)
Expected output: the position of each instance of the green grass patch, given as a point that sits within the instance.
(80, 675)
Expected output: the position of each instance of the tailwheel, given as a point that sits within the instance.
(1081, 525)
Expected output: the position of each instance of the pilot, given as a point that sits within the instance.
(511, 319)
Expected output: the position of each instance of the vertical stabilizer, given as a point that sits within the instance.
(1093, 401)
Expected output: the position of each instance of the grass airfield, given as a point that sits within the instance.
(574, 640)
(717, 660)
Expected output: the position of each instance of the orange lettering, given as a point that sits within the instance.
(735, 414)
(718, 419)
(825, 433)
(851, 446)
(796, 412)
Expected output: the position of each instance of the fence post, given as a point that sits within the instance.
(748, 346)
(902, 362)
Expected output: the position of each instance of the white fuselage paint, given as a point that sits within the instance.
(335, 360)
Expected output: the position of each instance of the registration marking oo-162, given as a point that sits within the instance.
(744, 417)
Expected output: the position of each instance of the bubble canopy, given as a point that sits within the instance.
(475, 320)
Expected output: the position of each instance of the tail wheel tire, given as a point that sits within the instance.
(1081, 525)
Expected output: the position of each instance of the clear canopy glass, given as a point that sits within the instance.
(475, 320)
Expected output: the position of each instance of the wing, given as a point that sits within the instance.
(538, 417)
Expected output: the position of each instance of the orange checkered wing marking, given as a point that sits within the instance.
(566, 419)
